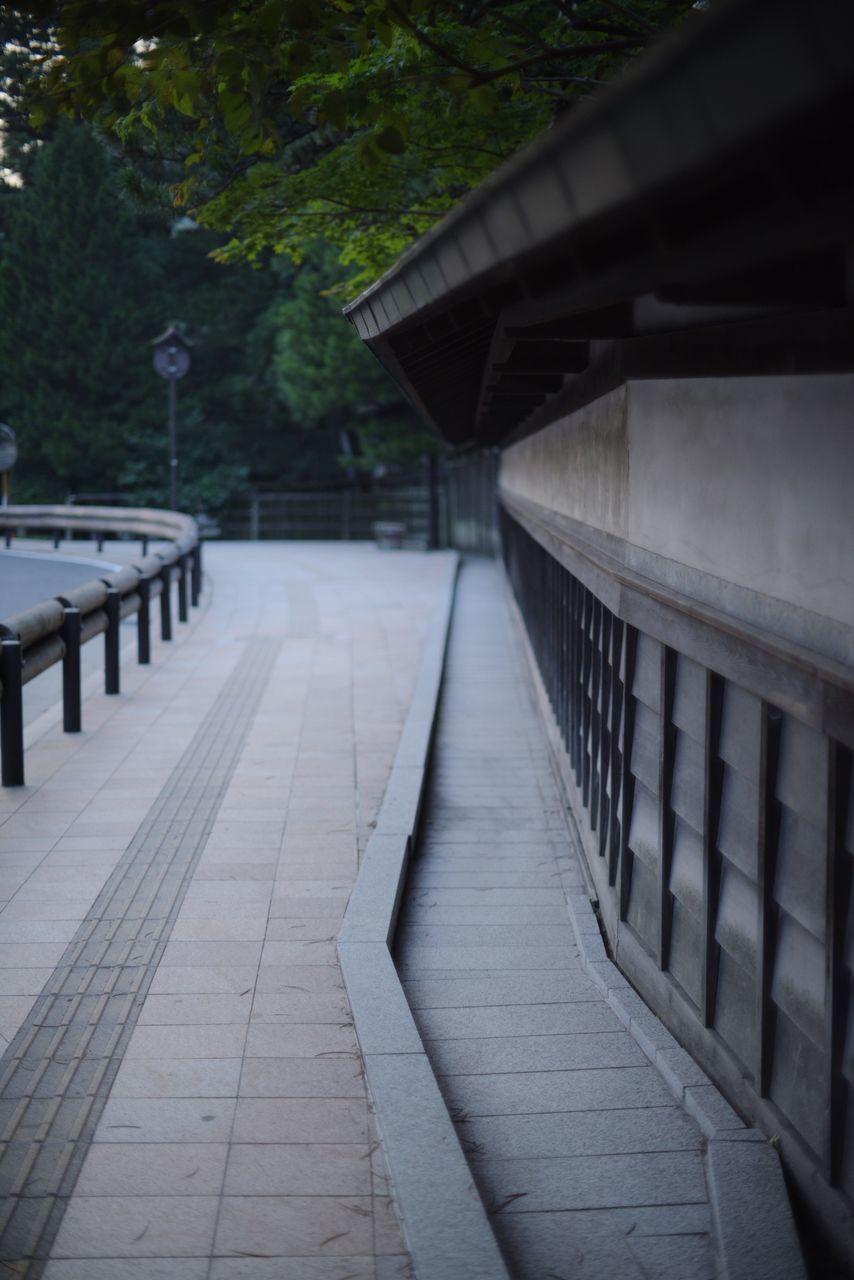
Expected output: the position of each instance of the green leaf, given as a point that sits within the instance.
(390, 139)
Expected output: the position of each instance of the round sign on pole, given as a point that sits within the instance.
(8, 448)
(171, 353)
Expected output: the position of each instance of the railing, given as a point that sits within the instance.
(331, 515)
(55, 630)
(709, 767)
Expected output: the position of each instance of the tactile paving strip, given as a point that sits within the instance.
(56, 1075)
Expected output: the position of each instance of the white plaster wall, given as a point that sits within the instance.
(748, 480)
(577, 466)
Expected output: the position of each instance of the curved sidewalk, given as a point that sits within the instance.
(185, 1098)
(184, 1083)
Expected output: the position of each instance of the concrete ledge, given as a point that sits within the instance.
(446, 1226)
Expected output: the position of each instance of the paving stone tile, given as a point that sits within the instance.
(275, 979)
(302, 1078)
(303, 929)
(232, 1268)
(416, 936)
(580, 1133)
(295, 906)
(235, 980)
(545, 1091)
(515, 988)
(418, 961)
(126, 1269)
(35, 923)
(339, 1120)
(595, 1181)
(583, 1246)
(298, 1006)
(153, 1169)
(295, 1225)
(512, 1020)
(177, 1078)
(539, 1053)
(212, 953)
(319, 952)
(244, 927)
(674, 1257)
(485, 895)
(137, 1226)
(301, 1040)
(298, 1169)
(166, 1120)
(162, 1010)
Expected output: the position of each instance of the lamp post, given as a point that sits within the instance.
(171, 361)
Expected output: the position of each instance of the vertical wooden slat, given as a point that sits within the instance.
(616, 764)
(769, 746)
(602, 768)
(712, 795)
(595, 693)
(667, 745)
(836, 991)
(577, 613)
(624, 869)
(586, 669)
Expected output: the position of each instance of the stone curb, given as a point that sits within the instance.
(444, 1220)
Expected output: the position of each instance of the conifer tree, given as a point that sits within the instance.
(78, 306)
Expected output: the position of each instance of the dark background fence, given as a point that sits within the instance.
(459, 494)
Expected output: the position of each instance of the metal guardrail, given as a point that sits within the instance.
(56, 629)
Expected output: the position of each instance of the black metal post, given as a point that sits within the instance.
(56, 540)
(12, 713)
(100, 540)
(143, 623)
(145, 546)
(166, 603)
(111, 642)
(71, 625)
(183, 608)
(196, 577)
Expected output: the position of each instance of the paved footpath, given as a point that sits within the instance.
(180, 1089)
(590, 1170)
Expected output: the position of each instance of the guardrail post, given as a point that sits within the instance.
(183, 609)
(196, 581)
(111, 641)
(57, 538)
(166, 603)
(143, 623)
(71, 718)
(99, 538)
(8, 541)
(145, 546)
(12, 713)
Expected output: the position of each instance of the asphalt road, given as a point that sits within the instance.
(26, 577)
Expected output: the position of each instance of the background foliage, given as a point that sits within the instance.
(314, 139)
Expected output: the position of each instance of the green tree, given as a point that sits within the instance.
(358, 121)
(77, 305)
(331, 384)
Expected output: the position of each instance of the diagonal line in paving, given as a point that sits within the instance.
(56, 1075)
